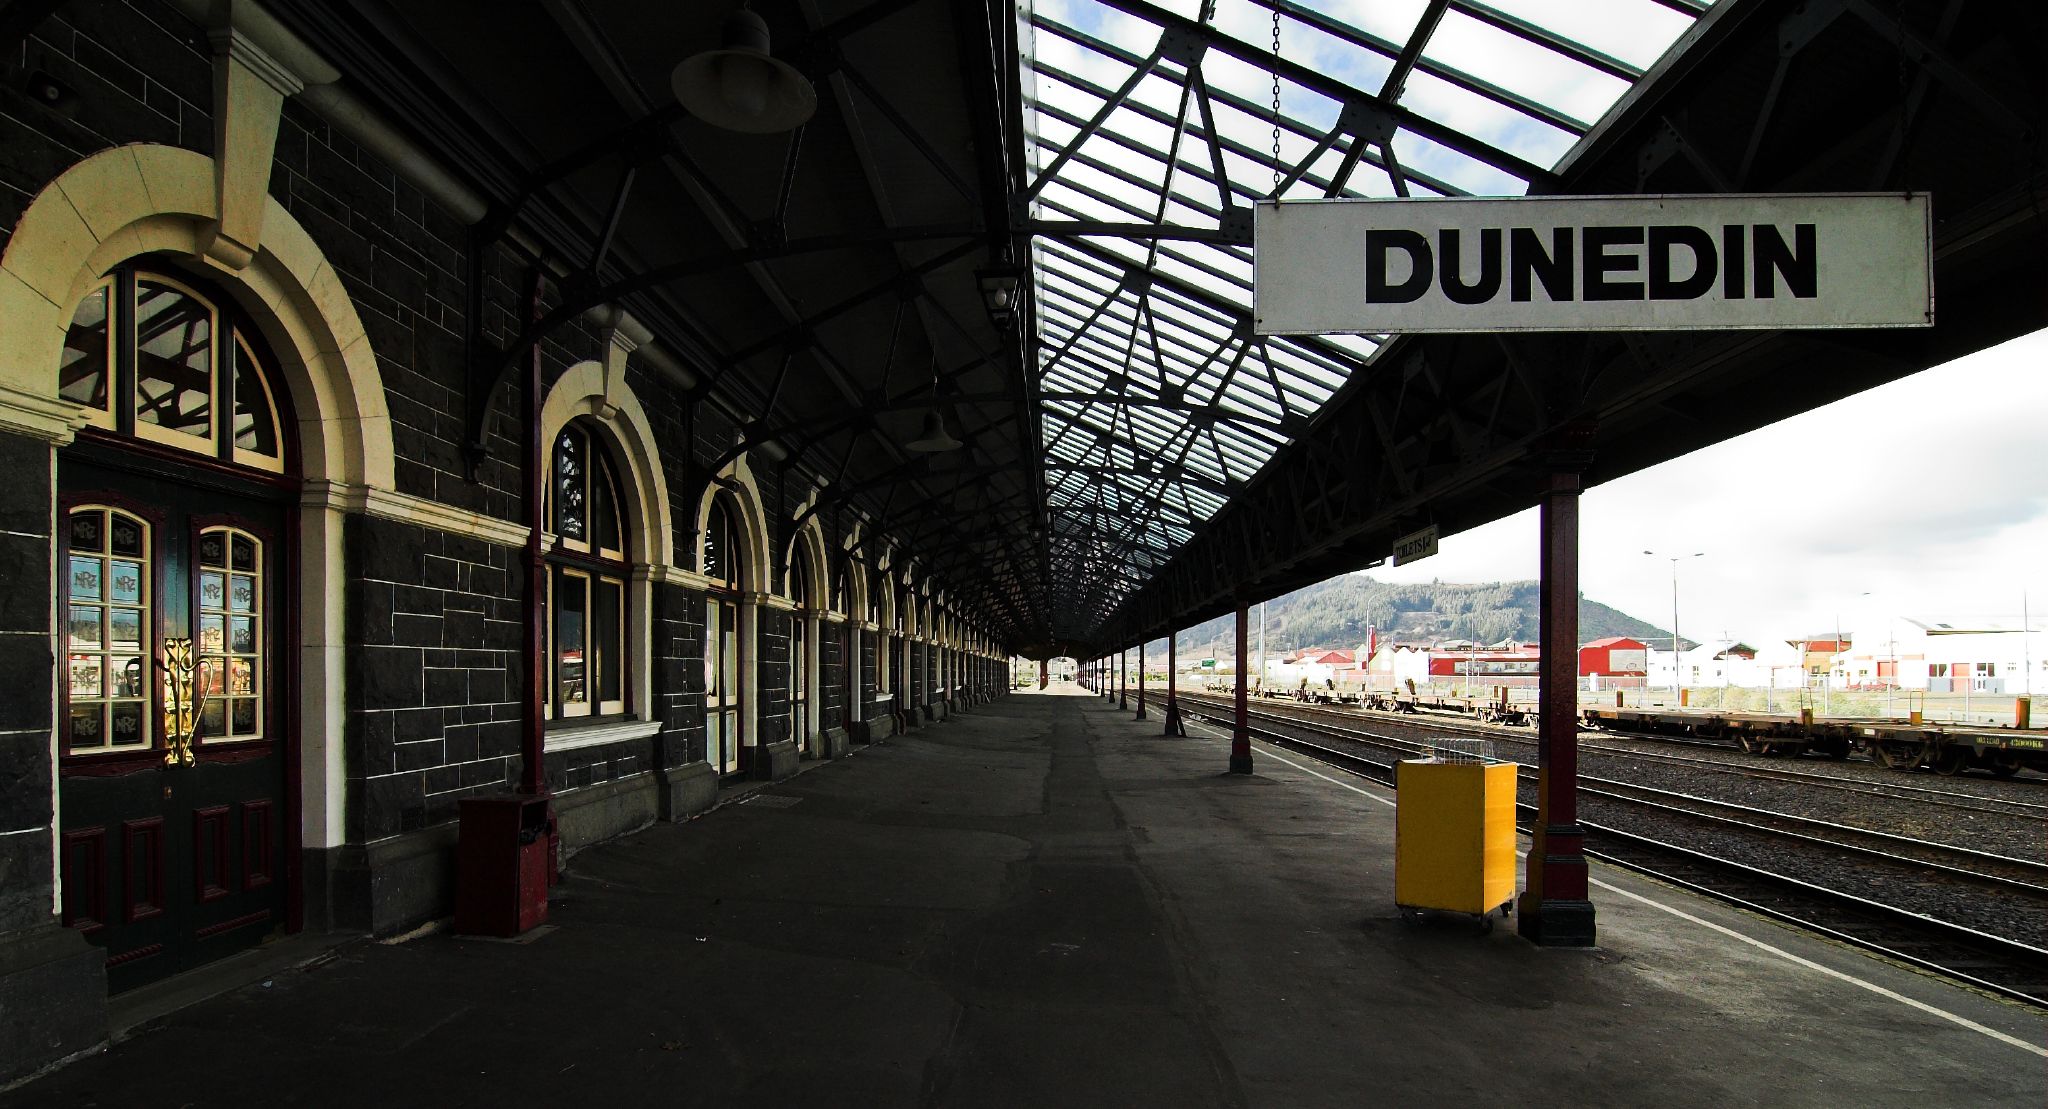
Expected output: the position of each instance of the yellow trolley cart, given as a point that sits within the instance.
(1454, 836)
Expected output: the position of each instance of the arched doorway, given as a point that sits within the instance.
(177, 708)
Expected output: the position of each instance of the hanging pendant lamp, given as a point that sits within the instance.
(934, 438)
(741, 87)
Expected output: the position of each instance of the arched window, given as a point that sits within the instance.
(149, 356)
(587, 573)
(724, 562)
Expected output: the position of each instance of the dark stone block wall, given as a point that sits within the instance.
(678, 675)
(434, 672)
(831, 675)
(25, 667)
(771, 638)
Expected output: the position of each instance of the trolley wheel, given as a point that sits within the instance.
(1485, 924)
(1895, 758)
(1951, 761)
(1410, 916)
(1753, 745)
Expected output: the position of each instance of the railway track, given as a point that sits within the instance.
(1744, 765)
(1988, 961)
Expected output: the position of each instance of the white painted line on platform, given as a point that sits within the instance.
(1387, 801)
(1931, 1010)
(1809, 964)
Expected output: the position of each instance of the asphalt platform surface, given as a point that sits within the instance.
(1043, 903)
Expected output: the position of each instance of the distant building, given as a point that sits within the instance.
(1945, 657)
(1615, 656)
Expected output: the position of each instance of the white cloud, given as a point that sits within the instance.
(1924, 498)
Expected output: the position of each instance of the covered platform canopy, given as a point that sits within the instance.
(1134, 457)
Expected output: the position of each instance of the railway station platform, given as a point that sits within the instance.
(1043, 902)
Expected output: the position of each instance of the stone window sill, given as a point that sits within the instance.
(569, 737)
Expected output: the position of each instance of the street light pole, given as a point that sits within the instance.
(1675, 560)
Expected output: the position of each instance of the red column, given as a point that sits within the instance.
(1555, 909)
(1173, 724)
(1240, 732)
(1141, 683)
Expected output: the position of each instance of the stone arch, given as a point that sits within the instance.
(808, 545)
(585, 389)
(129, 201)
(737, 480)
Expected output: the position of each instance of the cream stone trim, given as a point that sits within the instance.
(688, 579)
(132, 200)
(771, 600)
(809, 544)
(40, 417)
(753, 521)
(572, 738)
(833, 617)
(600, 390)
(407, 509)
(249, 87)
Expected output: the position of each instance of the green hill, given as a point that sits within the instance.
(1336, 613)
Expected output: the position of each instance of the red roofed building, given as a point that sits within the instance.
(1616, 655)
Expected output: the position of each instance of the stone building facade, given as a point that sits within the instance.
(236, 413)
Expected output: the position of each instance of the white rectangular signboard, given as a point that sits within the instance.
(1415, 545)
(1593, 263)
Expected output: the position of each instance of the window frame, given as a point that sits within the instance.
(232, 333)
(597, 567)
(114, 759)
(259, 615)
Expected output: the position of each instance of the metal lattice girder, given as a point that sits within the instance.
(1153, 136)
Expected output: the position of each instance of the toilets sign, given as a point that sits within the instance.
(1593, 263)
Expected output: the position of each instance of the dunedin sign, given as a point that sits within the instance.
(1593, 263)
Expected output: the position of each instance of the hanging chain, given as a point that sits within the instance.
(1904, 163)
(1276, 103)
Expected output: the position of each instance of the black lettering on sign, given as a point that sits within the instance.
(1599, 263)
(1798, 264)
(1526, 257)
(1451, 264)
(1663, 286)
(1378, 243)
(1734, 260)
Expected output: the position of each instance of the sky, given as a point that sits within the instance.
(1937, 509)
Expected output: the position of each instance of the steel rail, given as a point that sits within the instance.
(1897, 791)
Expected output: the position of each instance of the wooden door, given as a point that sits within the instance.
(174, 847)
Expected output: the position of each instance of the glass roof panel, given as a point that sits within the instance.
(1156, 403)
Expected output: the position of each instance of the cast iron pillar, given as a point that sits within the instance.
(1173, 725)
(1141, 683)
(1123, 680)
(1555, 910)
(1043, 678)
(1240, 728)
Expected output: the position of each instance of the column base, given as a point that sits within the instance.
(53, 998)
(774, 761)
(1174, 727)
(1141, 714)
(1556, 923)
(1240, 764)
(684, 791)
